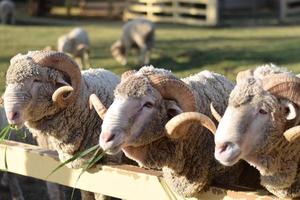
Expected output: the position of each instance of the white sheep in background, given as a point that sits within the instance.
(261, 126)
(47, 92)
(138, 33)
(135, 123)
(77, 44)
(7, 12)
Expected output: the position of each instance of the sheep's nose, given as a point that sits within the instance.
(108, 137)
(13, 115)
(223, 147)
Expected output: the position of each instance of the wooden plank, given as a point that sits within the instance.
(167, 9)
(292, 11)
(191, 21)
(127, 182)
(122, 181)
(170, 1)
(96, 5)
(292, 1)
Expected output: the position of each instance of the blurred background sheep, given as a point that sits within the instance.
(139, 34)
(7, 12)
(77, 44)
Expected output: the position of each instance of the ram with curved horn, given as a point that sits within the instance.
(262, 126)
(153, 120)
(48, 93)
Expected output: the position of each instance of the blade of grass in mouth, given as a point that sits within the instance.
(76, 156)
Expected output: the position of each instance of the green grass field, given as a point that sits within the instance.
(183, 49)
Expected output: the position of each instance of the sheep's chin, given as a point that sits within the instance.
(114, 150)
(137, 154)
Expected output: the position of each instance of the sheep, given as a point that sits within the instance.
(261, 126)
(77, 44)
(55, 191)
(47, 92)
(9, 179)
(135, 123)
(7, 10)
(138, 33)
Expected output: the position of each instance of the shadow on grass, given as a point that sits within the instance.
(182, 55)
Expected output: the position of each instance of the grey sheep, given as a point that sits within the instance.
(138, 33)
(47, 92)
(261, 126)
(7, 11)
(145, 103)
(77, 44)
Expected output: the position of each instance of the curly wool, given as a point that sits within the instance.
(188, 163)
(276, 159)
(76, 127)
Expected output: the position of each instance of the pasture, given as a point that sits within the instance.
(182, 49)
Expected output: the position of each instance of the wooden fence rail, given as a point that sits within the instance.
(193, 12)
(289, 10)
(104, 8)
(124, 181)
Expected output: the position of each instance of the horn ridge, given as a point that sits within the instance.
(175, 89)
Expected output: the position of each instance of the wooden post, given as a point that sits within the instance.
(149, 9)
(212, 12)
(282, 10)
(68, 7)
(175, 11)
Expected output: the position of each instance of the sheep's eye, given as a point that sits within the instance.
(262, 111)
(148, 105)
(37, 81)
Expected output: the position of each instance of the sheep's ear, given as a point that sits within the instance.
(61, 82)
(172, 109)
(290, 110)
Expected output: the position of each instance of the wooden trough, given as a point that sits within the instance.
(123, 181)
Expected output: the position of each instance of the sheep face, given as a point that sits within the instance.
(136, 117)
(118, 52)
(249, 123)
(29, 90)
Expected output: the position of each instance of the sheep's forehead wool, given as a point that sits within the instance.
(251, 89)
(138, 84)
(21, 67)
(245, 91)
(135, 86)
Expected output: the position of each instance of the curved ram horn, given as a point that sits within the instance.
(127, 74)
(175, 89)
(283, 86)
(214, 112)
(292, 134)
(244, 74)
(178, 126)
(98, 105)
(63, 63)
